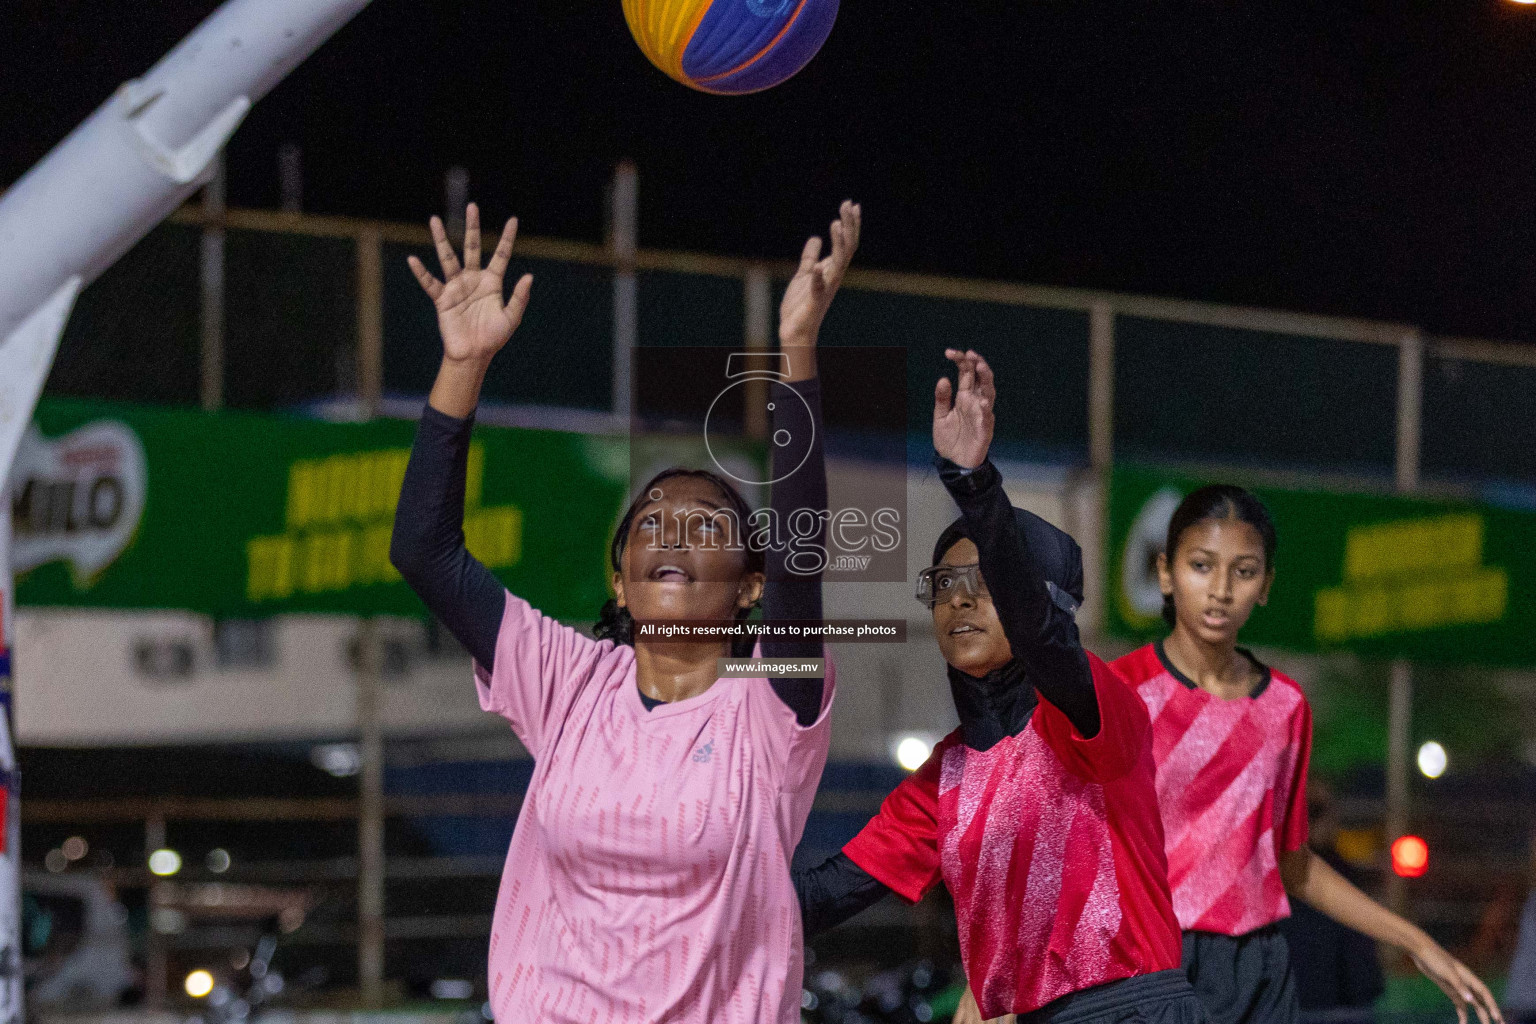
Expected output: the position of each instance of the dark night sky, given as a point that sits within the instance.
(1364, 158)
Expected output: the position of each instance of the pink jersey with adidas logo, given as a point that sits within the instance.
(648, 876)
(1231, 789)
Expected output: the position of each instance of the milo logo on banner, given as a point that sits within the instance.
(1140, 596)
(77, 498)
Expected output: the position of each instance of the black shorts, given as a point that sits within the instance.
(1163, 997)
(1244, 979)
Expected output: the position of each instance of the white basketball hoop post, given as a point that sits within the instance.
(123, 170)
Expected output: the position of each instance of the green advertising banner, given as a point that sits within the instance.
(244, 515)
(1386, 577)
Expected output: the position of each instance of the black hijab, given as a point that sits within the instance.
(999, 704)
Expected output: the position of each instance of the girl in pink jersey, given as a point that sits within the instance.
(648, 875)
(1232, 738)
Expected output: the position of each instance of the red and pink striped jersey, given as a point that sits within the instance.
(1232, 790)
(1050, 845)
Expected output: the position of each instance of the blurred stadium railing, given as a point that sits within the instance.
(1193, 383)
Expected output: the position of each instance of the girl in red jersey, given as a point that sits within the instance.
(1231, 738)
(1039, 812)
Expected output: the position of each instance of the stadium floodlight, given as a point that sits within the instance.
(164, 863)
(911, 749)
(142, 154)
(1433, 760)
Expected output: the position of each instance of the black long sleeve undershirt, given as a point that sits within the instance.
(427, 545)
(789, 595)
(835, 890)
(1040, 630)
(428, 548)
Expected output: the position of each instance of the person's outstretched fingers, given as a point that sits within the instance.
(472, 237)
(445, 257)
(503, 254)
(429, 284)
(517, 305)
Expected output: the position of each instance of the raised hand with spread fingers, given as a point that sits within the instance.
(472, 316)
(813, 287)
(963, 420)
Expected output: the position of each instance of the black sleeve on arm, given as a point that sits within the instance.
(428, 541)
(1043, 634)
(787, 594)
(833, 891)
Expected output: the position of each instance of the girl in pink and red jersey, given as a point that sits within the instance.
(1232, 738)
(648, 875)
(1039, 812)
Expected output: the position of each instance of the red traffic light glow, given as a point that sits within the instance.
(1410, 856)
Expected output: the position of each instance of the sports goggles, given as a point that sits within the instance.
(938, 582)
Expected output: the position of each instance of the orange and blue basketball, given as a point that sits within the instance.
(730, 46)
